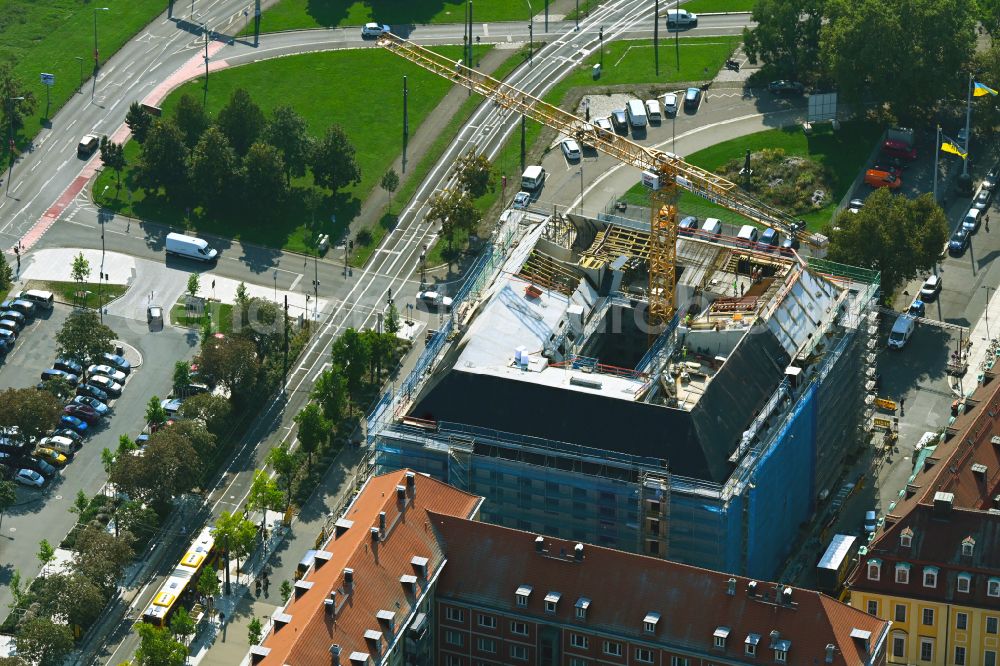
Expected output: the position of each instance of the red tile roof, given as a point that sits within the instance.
(623, 587)
(307, 637)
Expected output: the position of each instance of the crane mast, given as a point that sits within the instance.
(668, 171)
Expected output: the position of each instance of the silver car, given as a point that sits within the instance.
(107, 371)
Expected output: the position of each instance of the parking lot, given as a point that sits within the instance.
(45, 513)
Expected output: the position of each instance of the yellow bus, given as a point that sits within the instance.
(179, 586)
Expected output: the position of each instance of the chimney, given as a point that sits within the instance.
(401, 493)
(942, 504)
(375, 535)
(786, 595)
(775, 637)
(411, 483)
(348, 577)
(578, 552)
(979, 470)
(381, 522)
(330, 604)
(539, 544)
(752, 588)
(731, 587)
(335, 655)
(830, 650)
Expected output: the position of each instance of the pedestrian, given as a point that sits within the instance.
(902, 410)
(987, 220)
(742, 289)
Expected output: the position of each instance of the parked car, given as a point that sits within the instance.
(25, 307)
(115, 361)
(8, 337)
(670, 104)
(902, 329)
(917, 308)
(871, 521)
(39, 465)
(16, 316)
(571, 149)
(991, 179)
(29, 477)
(154, 316)
(10, 325)
(681, 19)
(931, 288)
(769, 240)
(68, 365)
(92, 391)
(434, 299)
(605, 124)
(93, 403)
(959, 241)
(692, 98)
(51, 456)
(688, 226)
(106, 384)
(171, 405)
(52, 373)
(83, 412)
(856, 205)
(982, 200)
(74, 423)
(619, 121)
(107, 371)
(522, 200)
(373, 30)
(62, 439)
(878, 178)
(783, 87)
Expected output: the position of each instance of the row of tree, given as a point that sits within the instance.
(241, 160)
(455, 208)
(903, 55)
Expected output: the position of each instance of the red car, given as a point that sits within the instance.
(82, 412)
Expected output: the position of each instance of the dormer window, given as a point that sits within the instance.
(968, 546)
(720, 636)
(781, 651)
(551, 601)
(750, 645)
(521, 595)
(874, 569)
(930, 576)
(964, 582)
(902, 573)
(649, 622)
(582, 604)
(906, 538)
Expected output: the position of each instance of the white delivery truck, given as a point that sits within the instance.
(532, 178)
(636, 111)
(190, 247)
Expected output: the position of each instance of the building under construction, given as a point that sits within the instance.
(707, 440)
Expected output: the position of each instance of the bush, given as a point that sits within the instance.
(785, 181)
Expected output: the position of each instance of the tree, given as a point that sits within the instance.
(897, 236)
(138, 121)
(390, 183)
(102, 557)
(475, 173)
(156, 415)
(6, 274)
(986, 64)
(212, 411)
(181, 624)
(264, 496)
(392, 320)
(58, 387)
(137, 518)
(191, 119)
(107, 460)
(455, 211)
(208, 582)
(231, 362)
(263, 180)
(170, 466)
(80, 271)
(350, 353)
(193, 285)
(198, 437)
(314, 429)
(75, 597)
(83, 337)
(786, 37)
(241, 120)
(113, 157)
(125, 444)
(286, 468)
(182, 377)
(12, 87)
(8, 497)
(286, 591)
(264, 326)
(382, 346)
(214, 170)
(236, 534)
(333, 161)
(906, 78)
(254, 631)
(330, 391)
(46, 553)
(160, 157)
(81, 503)
(989, 16)
(158, 648)
(28, 414)
(288, 132)
(43, 642)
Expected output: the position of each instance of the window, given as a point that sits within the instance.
(452, 660)
(872, 607)
(928, 617)
(959, 655)
(519, 628)
(930, 577)
(991, 625)
(522, 601)
(574, 661)
(751, 649)
(677, 661)
(990, 658)
(781, 656)
(720, 641)
(993, 587)
(581, 613)
(613, 648)
(903, 573)
(900, 615)
(519, 652)
(454, 614)
(644, 655)
(926, 649)
(521, 594)
(898, 646)
(964, 582)
(961, 621)
(454, 638)
(579, 641)
(550, 607)
(487, 645)
(649, 622)
(968, 546)
(906, 538)
(874, 569)
(487, 621)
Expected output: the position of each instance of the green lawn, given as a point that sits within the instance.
(305, 14)
(220, 314)
(86, 294)
(697, 6)
(48, 35)
(338, 89)
(842, 152)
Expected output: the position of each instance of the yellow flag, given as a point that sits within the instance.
(952, 148)
(981, 89)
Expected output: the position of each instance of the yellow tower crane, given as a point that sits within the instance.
(663, 171)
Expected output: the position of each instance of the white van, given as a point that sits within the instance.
(43, 299)
(711, 227)
(681, 18)
(748, 233)
(63, 445)
(190, 247)
(901, 331)
(636, 112)
(533, 178)
(653, 111)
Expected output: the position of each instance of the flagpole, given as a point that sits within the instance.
(968, 129)
(937, 156)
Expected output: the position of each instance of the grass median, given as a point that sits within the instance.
(82, 294)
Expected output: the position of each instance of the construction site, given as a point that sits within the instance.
(685, 394)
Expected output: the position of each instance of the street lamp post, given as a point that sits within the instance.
(581, 187)
(10, 137)
(275, 276)
(80, 58)
(531, 33)
(97, 56)
(600, 35)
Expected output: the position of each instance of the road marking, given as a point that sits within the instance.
(295, 282)
(486, 30)
(319, 372)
